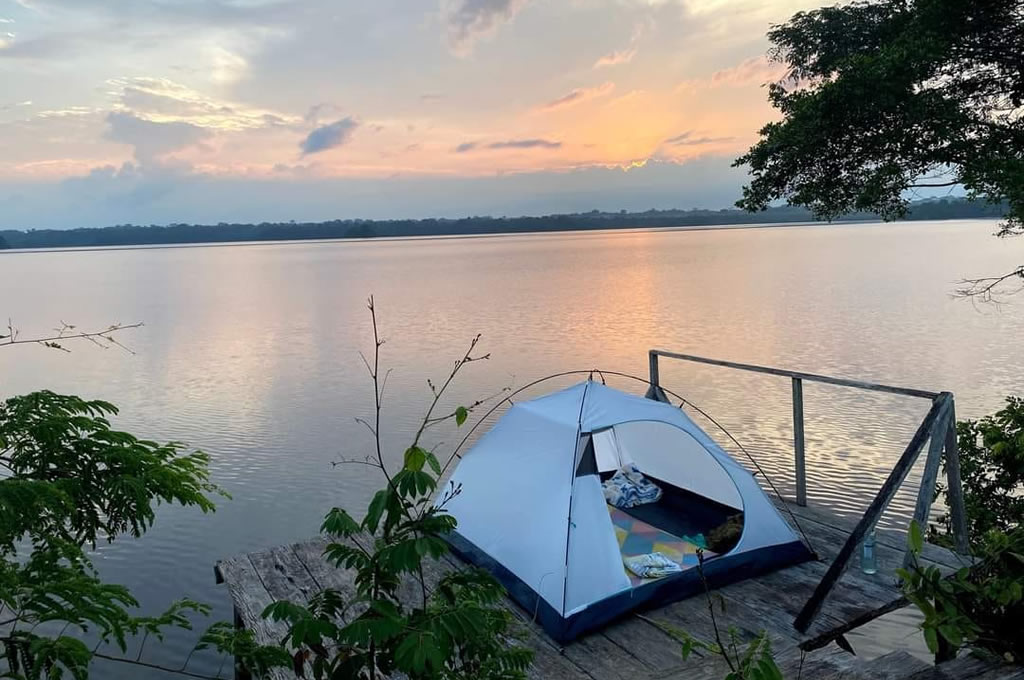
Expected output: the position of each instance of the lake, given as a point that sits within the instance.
(252, 353)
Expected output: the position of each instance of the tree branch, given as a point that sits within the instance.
(986, 288)
(144, 664)
(68, 332)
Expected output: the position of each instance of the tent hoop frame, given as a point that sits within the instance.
(654, 386)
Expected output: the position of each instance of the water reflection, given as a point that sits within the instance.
(253, 354)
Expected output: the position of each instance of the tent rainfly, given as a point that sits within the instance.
(532, 509)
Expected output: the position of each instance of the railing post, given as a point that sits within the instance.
(926, 493)
(654, 391)
(871, 516)
(798, 442)
(954, 491)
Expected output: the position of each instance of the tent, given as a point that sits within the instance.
(531, 508)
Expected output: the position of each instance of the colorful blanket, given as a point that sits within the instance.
(640, 538)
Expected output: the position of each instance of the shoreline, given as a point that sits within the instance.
(496, 234)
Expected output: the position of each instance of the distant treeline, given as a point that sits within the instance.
(130, 234)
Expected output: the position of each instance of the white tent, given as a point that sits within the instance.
(532, 510)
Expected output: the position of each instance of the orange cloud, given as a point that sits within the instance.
(578, 96)
(615, 58)
(756, 70)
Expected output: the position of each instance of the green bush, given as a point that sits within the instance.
(68, 481)
(451, 624)
(981, 606)
(991, 473)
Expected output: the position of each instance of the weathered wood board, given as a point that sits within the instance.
(639, 645)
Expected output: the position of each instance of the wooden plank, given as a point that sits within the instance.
(813, 377)
(283, 575)
(954, 489)
(871, 516)
(812, 515)
(969, 667)
(926, 492)
(250, 598)
(326, 575)
(798, 441)
(649, 644)
(602, 659)
(894, 666)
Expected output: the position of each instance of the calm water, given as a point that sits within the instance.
(252, 354)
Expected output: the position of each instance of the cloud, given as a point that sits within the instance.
(112, 196)
(152, 140)
(615, 58)
(756, 70)
(328, 136)
(525, 144)
(578, 96)
(467, 21)
(226, 67)
(163, 101)
(688, 139)
(509, 144)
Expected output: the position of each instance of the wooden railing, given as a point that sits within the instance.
(938, 428)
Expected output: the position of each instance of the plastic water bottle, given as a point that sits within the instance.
(868, 559)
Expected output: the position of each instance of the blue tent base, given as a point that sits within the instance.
(719, 572)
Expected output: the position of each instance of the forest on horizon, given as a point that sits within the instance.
(223, 232)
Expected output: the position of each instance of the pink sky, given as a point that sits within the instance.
(150, 104)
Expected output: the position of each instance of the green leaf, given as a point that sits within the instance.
(461, 413)
(931, 639)
(376, 510)
(952, 634)
(339, 523)
(687, 648)
(915, 540)
(415, 457)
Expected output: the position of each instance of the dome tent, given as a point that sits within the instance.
(531, 508)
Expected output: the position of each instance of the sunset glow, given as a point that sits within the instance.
(307, 91)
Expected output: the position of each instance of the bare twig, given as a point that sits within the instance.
(166, 669)
(990, 288)
(66, 332)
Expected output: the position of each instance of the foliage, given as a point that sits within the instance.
(409, 613)
(991, 473)
(979, 607)
(753, 662)
(888, 95)
(70, 480)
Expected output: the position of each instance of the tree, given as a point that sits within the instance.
(68, 480)
(886, 96)
(451, 625)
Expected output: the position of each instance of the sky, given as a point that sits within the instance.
(161, 111)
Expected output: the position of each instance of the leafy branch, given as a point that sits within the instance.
(454, 627)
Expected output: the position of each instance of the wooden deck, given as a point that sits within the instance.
(637, 646)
